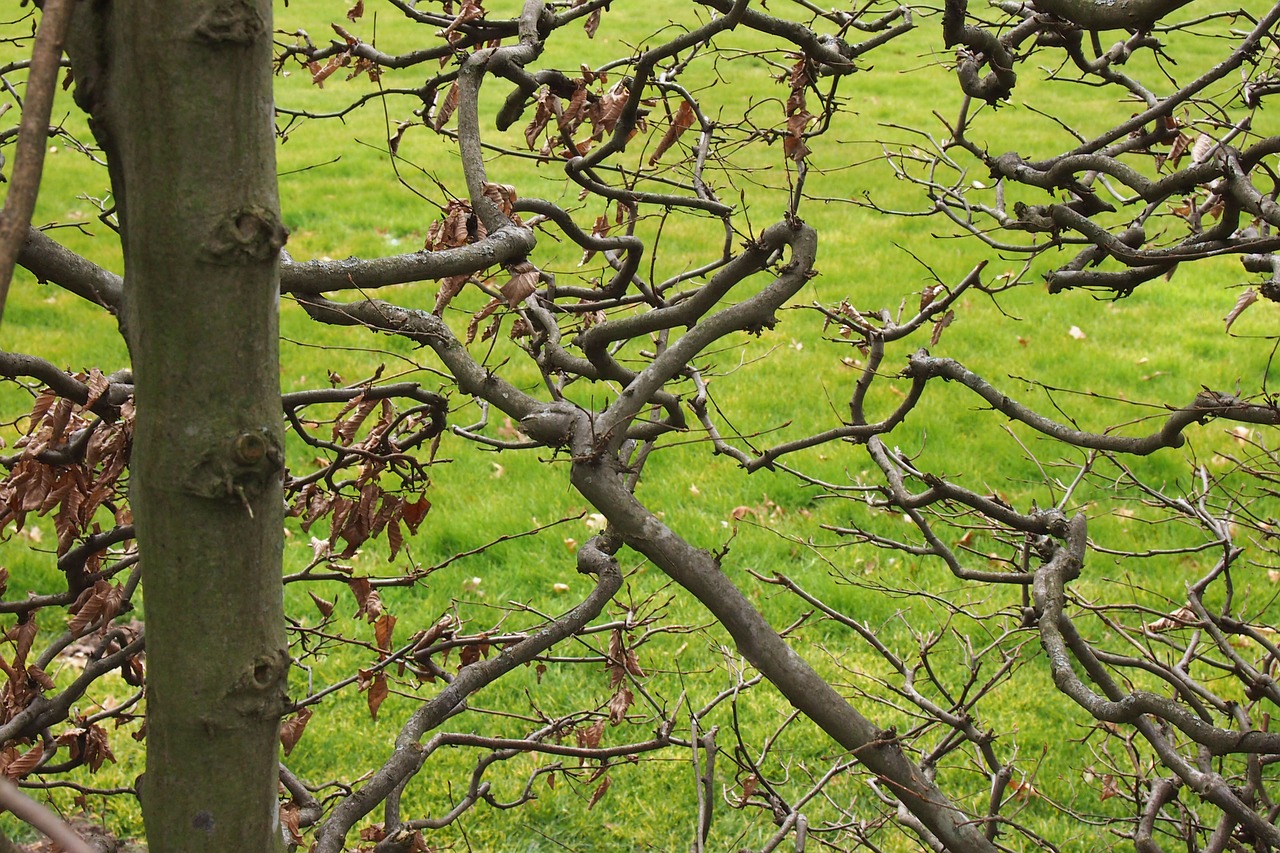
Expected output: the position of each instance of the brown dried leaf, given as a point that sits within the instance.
(1183, 617)
(291, 819)
(291, 729)
(446, 108)
(599, 792)
(345, 428)
(351, 40)
(619, 703)
(395, 539)
(471, 9)
(93, 747)
(589, 738)
(605, 112)
(415, 512)
(393, 143)
(545, 104)
(103, 601)
(1177, 151)
(449, 288)
(39, 676)
(1245, 299)
(356, 11)
(749, 786)
(523, 282)
(473, 652)
(20, 766)
(369, 603)
(592, 23)
(929, 294)
(940, 324)
(378, 691)
(502, 195)
(1203, 148)
(319, 75)
(98, 385)
(682, 121)
(632, 664)
(325, 607)
(22, 636)
(383, 630)
(793, 145)
(474, 326)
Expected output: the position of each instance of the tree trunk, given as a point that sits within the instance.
(180, 95)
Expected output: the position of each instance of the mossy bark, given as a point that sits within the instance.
(180, 97)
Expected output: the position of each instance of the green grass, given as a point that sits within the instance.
(354, 206)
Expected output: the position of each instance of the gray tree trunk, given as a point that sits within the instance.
(180, 95)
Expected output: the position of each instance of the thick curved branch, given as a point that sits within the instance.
(602, 482)
(28, 810)
(24, 184)
(1111, 14)
(504, 245)
(48, 260)
(1207, 404)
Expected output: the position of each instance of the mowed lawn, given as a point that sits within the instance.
(1114, 362)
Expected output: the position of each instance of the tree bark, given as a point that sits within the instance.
(180, 97)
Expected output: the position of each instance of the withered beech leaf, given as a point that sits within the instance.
(605, 113)
(325, 607)
(319, 75)
(474, 326)
(449, 288)
(523, 282)
(395, 539)
(22, 635)
(940, 324)
(415, 512)
(356, 11)
(471, 9)
(929, 294)
(368, 602)
(291, 819)
(619, 704)
(681, 122)
(592, 23)
(793, 143)
(104, 600)
(599, 792)
(473, 652)
(378, 691)
(382, 632)
(351, 40)
(545, 104)
(39, 676)
(445, 109)
(291, 729)
(98, 385)
(502, 195)
(88, 743)
(25, 763)
(749, 786)
(393, 143)
(632, 664)
(589, 738)
(1245, 299)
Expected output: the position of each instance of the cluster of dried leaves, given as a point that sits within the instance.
(71, 462)
(362, 508)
